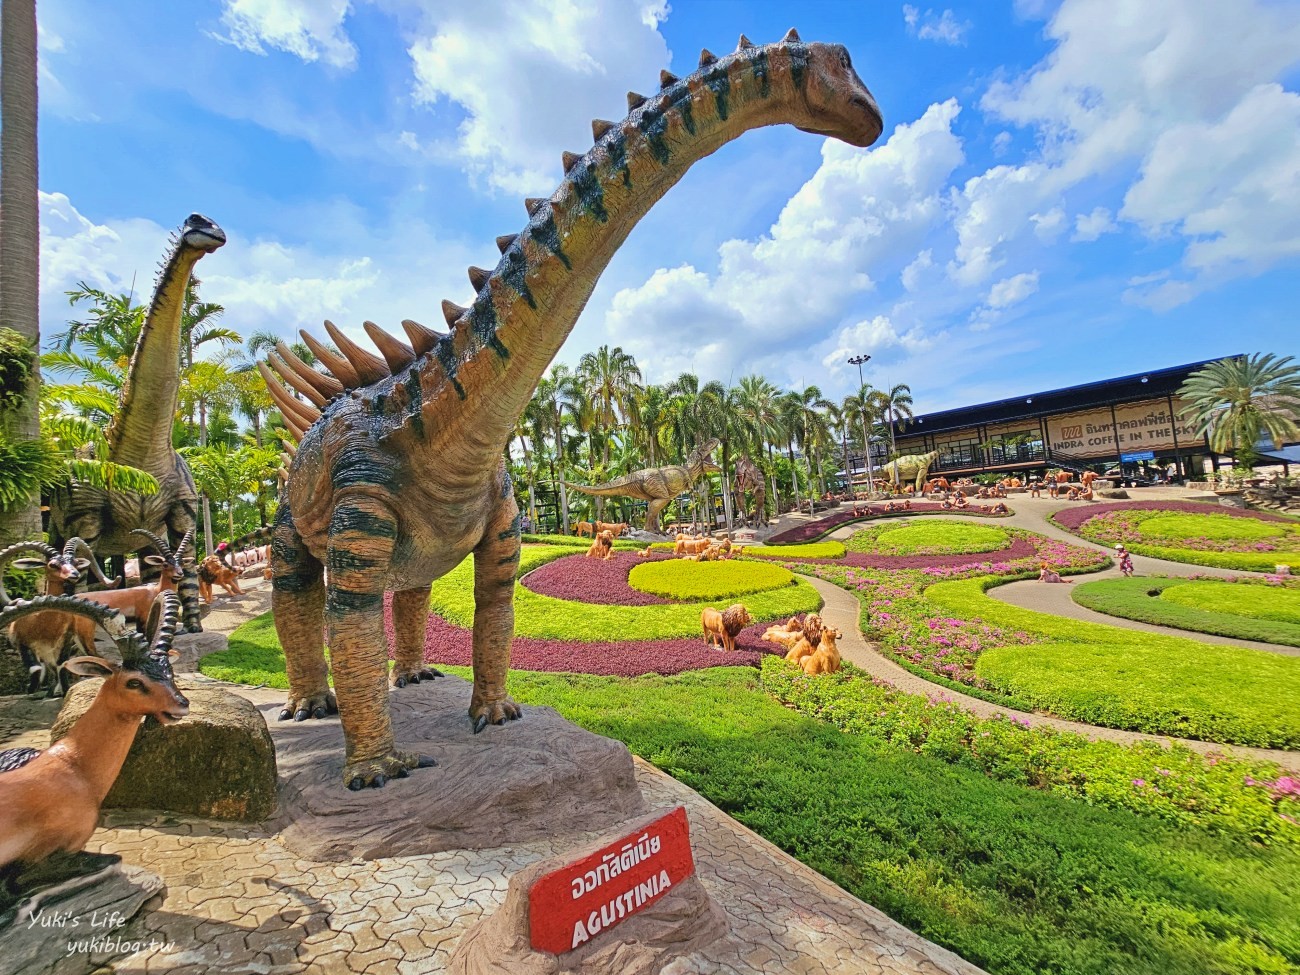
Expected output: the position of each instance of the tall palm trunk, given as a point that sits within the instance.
(20, 231)
(564, 494)
(207, 505)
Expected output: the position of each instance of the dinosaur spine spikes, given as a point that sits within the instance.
(327, 386)
(452, 311)
(478, 277)
(336, 364)
(396, 353)
(706, 58)
(667, 79)
(422, 339)
(295, 414)
(599, 127)
(504, 242)
(285, 372)
(744, 44)
(634, 101)
(791, 37)
(533, 204)
(570, 159)
(368, 366)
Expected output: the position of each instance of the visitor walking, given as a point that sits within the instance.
(1125, 560)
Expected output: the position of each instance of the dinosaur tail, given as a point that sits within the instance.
(259, 537)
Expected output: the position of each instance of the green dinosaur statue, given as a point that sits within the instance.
(901, 468)
(140, 434)
(399, 472)
(658, 485)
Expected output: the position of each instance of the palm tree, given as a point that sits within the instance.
(206, 385)
(649, 419)
(20, 242)
(723, 418)
(897, 401)
(1236, 401)
(551, 405)
(811, 429)
(759, 408)
(864, 406)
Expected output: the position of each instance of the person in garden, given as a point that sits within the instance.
(1125, 560)
(1047, 574)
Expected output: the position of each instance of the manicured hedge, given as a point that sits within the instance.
(684, 580)
(931, 538)
(813, 550)
(1121, 678)
(1245, 612)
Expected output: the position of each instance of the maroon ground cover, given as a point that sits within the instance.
(585, 580)
(1071, 519)
(815, 529)
(1019, 548)
(448, 644)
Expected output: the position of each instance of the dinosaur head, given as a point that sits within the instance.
(704, 451)
(839, 104)
(202, 234)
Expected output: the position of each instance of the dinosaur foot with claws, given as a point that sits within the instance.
(374, 773)
(401, 676)
(314, 706)
(494, 712)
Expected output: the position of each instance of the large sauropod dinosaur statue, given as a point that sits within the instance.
(140, 434)
(901, 469)
(658, 485)
(399, 473)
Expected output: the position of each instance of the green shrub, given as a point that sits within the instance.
(1176, 527)
(695, 581)
(1121, 678)
(810, 550)
(1261, 602)
(1218, 613)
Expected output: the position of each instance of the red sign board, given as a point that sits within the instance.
(570, 906)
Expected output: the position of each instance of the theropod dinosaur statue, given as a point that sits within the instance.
(750, 478)
(399, 472)
(903, 468)
(658, 485)
(140, 434)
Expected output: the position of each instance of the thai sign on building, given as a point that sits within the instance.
(1138, 427)
(570, 906)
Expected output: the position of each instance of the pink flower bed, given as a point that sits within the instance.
(585, 580)
(1071, 519)
(816, 529)
(448, 644)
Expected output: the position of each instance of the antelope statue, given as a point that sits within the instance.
(136, 602)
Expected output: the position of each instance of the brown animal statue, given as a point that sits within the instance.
(687, 545)
(45, 640)
(136, 602)
(584, 529)
(214, 572)
(602, 547)
(400, 471)
(1087, 477)
(723, 627)
(50, 800)
(645, 552)
(787, 634)
(826, 658)
(615, 528)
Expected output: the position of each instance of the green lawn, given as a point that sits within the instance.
(1175, 527)
(683, 579)
(930, 538)
(1245, 612)
(1019, 881)
(1120, 678)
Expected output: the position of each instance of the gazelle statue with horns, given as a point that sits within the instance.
(399, 474)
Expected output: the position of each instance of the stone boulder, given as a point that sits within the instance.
(13, 675)
(672, 930)
(218, 762)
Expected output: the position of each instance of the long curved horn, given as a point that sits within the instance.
(113, 623)
(187, 541)
(76, 543)
(8, 555)
(161, 545)
(163, 630)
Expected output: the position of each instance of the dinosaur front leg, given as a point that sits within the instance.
(298, 606)
(410, 614)
(362, 533)
(652, 514)
(496, 560)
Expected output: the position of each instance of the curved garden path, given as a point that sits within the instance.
(842, 610)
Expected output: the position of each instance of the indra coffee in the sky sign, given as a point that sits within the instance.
(570, 906)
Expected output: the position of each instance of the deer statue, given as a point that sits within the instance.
(50, 800)
(45, 641)
(135, 603)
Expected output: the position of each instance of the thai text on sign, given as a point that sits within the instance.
(570, 906)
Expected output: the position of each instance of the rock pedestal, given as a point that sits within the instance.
(530, 779)
(672, 929)
(218, 762)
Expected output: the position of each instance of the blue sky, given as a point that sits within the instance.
(1064, 190)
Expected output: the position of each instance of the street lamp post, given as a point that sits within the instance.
(858, 360)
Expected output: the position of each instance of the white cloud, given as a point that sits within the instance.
(914, 273)
(873, 335)
(1001, 143)
(781, 292)
(309, 29)
(1090, 226)
(490, 56)
(1010, 291)
(1048, 226)
(944, 28)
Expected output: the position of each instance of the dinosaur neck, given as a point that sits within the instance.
(525, 310)
(141, 432)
